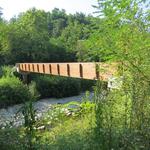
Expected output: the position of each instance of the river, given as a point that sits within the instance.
(12, 116)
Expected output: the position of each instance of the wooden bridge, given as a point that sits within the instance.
(85, 70)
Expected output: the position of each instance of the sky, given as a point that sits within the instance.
(14, 7)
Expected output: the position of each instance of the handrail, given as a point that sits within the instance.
(85, 70)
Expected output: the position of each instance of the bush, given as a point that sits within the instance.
(6, 71)
(51, 86)
(87, 84)
(13, 91)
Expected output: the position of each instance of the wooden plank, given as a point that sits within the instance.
(89, 70)
(74, 70)
(54, 69)
(64, 70)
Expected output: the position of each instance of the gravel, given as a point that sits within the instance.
(12, 116)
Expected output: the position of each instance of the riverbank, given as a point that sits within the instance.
(12, 116)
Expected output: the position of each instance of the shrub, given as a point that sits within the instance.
(51, 86)
(6, 71)
(12, 91)
(33, 91)
(87, 84)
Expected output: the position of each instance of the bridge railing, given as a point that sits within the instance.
(86, 70)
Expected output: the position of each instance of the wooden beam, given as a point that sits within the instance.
(86, 70)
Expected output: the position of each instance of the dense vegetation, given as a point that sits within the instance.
(11, 87)
(39, 36)
(116, 119)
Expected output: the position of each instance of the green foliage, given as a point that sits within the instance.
(59, 118)
(123, 37)
(29, 114)
(102, 125)
(6, 71)
(39, 36)
(1, 12)
(32, 44)
(87, 84)
(4, 44)
(58, 52)
(29, 123)
(27, 39)
(51, 86)
(117, 119)
(10, 138)
(57, 21)
(71, 39)
(121, 34)
(33, 91)
(12, 91)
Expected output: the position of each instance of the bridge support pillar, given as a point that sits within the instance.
(25, 78)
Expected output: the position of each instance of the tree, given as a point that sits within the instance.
(124, 37)
(122, 25)
(4, 44)
(57, 21)
(1, 13)
(39, 36)
(71, 34)
(28, 37)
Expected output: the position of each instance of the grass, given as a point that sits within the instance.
(62, 130)
(70, 135)
(104, 125)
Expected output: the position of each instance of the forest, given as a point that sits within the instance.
(112, 119)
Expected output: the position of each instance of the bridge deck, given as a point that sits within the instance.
(87, 70)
